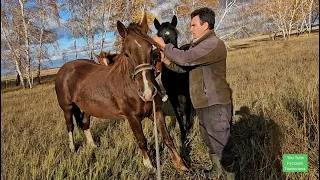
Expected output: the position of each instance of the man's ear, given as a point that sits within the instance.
(206, 26)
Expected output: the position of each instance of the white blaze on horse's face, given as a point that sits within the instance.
(105, 61)
(147, 90)
(167, 33)
(137, 43)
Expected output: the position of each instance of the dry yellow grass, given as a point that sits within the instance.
(275, 90)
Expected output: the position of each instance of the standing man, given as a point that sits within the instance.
(209, 90)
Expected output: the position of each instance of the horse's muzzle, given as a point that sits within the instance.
(148, 96)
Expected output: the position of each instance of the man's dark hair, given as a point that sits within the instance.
(205, 15)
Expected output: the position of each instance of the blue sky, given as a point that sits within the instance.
(65, 43)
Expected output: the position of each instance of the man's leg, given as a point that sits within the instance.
(216, 121)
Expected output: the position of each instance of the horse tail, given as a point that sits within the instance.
(77, 114)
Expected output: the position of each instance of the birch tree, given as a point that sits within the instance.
(110, 10)
(12, 54)
(48, 9)
(72, 24)
(25, 26)
(11, 31)
(285, 14)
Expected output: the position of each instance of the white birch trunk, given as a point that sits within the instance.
(27, 48)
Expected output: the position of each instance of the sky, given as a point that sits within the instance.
(65, 43)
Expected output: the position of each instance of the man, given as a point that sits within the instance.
(210, 93)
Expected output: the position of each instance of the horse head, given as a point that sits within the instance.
(167, 31)
(137, 50)
(103, 58)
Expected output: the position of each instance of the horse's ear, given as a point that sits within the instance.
(156, 24)
(97, 56)
(174, 21)
(122, 29)
(144, 23)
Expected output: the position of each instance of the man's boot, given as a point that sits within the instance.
(231, 171)
(217, 169)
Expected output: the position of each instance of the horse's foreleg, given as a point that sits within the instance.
(136, 127)
(189, 113)
(179, 116)
(168, 142)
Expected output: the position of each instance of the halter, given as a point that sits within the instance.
(140, 68)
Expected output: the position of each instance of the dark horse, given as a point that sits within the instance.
(176, 84)
(124, 90)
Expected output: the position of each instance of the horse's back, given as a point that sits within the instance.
(70, 75)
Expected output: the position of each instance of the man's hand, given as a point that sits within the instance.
(164, 59)
(159, 41)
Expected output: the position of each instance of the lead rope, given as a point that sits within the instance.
(156, 140)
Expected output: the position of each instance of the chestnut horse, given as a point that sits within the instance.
(124, 90)
(105, 58)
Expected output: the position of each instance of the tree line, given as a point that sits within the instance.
(27, 33)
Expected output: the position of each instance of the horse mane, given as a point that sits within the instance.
(136, 29)
(121, 62)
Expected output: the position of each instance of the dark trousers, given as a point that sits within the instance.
(215, 124)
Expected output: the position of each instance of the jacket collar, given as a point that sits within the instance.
(203, 37)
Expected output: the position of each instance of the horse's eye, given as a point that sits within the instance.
(126, 55)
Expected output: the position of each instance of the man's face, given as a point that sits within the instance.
(196, 28)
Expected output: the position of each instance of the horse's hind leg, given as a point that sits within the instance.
(83, 121)
(136, 127)
(168, 141)
(67, 110)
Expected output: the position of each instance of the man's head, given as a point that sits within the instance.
(202, 21)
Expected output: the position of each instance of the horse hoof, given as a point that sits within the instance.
(184, 168)
(72, 148)
(147, 164)
(93, 145)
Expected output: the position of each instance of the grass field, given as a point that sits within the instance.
(276, 97)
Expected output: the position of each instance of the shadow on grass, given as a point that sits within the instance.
(257, 141)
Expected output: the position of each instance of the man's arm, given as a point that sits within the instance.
(191, 56)
(170, 65)
(174, 67)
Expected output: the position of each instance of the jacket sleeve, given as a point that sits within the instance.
(174, 67)
(192, 56)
